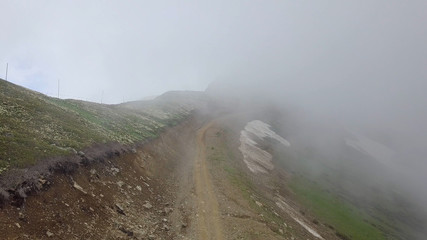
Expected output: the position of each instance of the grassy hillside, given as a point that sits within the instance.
(349, 222)
(34, 126)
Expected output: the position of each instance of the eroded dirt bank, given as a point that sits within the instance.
(130, 196)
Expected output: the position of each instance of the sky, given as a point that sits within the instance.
(114, 51)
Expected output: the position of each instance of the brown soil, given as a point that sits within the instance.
(189, 183)
(208, 216)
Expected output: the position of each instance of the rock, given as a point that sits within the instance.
(133, 150)
(184, 225)
(280, 231)
(115, 170)
(148, 205)
(258, 203)
(17, 224)
(22, 193)
(139, 188)
(92, 171)
(49, 233)
(21, 216)
(78, 187)
(165, 227)
(151, 236)
(164, 220)
(120, 183)
(167, 210)
(120, 209)
(42, 181)
(81, 154)
(126, 231)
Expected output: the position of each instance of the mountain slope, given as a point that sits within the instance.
(188, 166)
(34, 126)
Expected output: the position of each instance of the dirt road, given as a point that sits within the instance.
(169, 189)
(208, 216)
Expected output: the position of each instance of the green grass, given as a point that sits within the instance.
(34, 126)
(346, 219)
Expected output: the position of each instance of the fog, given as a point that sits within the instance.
(132, 49)
(360, 65)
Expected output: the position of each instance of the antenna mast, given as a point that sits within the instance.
(7, 68)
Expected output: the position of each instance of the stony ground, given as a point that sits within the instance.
(189, 183)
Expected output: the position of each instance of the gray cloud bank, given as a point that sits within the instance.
(131, 49)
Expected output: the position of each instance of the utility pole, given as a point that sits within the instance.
(58, 87)
(7, 68)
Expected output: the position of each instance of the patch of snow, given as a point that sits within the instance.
(263, 130)
(370, 147)
(257, 159)
(281, 203)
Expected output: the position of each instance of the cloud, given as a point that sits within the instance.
(131, 49)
